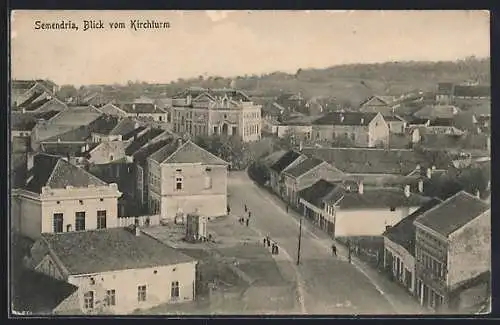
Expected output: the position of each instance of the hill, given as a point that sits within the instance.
(352, 82)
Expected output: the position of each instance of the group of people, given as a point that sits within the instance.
(273, 245)
(245, 219)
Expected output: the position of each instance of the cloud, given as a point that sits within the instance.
(218, 15)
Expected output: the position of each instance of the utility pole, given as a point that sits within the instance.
(300, 237)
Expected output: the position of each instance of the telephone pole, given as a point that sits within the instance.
(300, 237)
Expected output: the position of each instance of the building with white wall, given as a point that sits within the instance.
(115, 270)
(60, 197)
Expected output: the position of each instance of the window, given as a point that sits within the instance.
(159, 118)
(101, 219)
(58, 222)
(110, 299)
(141, 293)
(208, 178)
(174, 292)
(88, 300)
(178, 183)
(79, 221)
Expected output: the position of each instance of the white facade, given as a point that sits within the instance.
(34, 213)
(406, 263)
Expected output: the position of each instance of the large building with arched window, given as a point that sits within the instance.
(228, 112)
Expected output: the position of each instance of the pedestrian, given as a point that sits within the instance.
(265, 241)
(248, 220)
(249, 214)
(334, 250)
(246, 209)
(277, 249)
(228, 209)
(273, 249)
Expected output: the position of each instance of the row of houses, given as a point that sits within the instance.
(353, 192)
(81, 170)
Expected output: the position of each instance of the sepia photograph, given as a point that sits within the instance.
(249, 162)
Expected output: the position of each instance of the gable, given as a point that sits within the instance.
(50, 268)
(203, 98)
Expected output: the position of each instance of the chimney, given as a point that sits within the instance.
(341, 118)
(188, 99)
(137, 231)
(133, 106)
(361, 187)
(421, 186)
(407, 190)
(433, 168)
(155, 106)
(478, 194)
(429, 173)
(58, 139)
(362, 121)
(179, 142)
(417, 167)
(30, 161)
(301, 145)
(24, 110)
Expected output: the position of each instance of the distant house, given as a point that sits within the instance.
(185, 178)
(146, 110)
(472, 91)
(399, 248)
(112, 109)
(363, 129)
(299, 127)
(272, 112)
(395, 123)
(304, 174)
(370, 162)
(432, 112)
(364, 211)
(452, 247)
(110, 278)
(42, 103)
(444, 94)
(384, 105)
(143, 138)
(21, 124)
(60, 197)
(21, 90)
(289, 159)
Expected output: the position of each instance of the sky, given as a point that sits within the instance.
(231, 43)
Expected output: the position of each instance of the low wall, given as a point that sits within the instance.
(154, 220)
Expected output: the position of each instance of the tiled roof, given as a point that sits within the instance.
(453, 213)
(316, 193)
(142, 140)
(300, 120)
(141, 156)
(440, 121)
(46, 115)
(436, 111)
(141, 108)
(111, 109)
(383, 197)
(188, 152)
(393, 118)
(30, 99)
(81, 115)
(71, 149)
(273, 157)
(124, 127)
(38, 293)
(111, 249)
(133, 133)
(416, 120)
(104, 124)
(22, 84)
(36, 105)
(22, 122)
(403, 233)
(368, 161)
(345, 118)
(472, 91)
(285, 160)
(80, 134)
(55, 172)
(303, 167)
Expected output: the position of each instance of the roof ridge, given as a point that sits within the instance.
(175, 151)
(52, 172)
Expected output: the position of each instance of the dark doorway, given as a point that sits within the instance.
(224, 129)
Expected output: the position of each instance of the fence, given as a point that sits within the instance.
(148, 220)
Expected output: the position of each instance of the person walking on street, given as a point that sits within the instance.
(249, 214)
(246, 208)
(247, 221)
(334, 250)
(228, 209)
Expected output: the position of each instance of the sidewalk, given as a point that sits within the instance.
(398, 297)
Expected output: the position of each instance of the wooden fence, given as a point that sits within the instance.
(143, 221)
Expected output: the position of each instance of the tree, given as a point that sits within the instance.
(67, 91)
